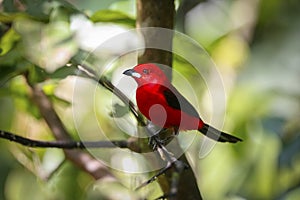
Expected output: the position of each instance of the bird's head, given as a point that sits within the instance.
(147, 73)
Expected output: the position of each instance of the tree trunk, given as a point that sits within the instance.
(160, 13)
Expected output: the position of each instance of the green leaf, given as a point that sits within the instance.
(63, 72)
(119, 110)
(112, 16)
(8, 41)
(36, 74)
(6, 73)
(62, 102)
(21, 96)
(10, 17)
(12, 64)
(49, 89)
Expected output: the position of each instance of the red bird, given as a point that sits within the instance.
(165, 107)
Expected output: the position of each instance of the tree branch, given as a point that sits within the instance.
(63, 144)
(83, 160)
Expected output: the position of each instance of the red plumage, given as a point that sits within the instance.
(164, 106)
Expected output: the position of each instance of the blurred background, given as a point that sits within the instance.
(254, 44)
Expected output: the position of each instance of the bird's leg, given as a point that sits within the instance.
(167, 134)
(154, 133)
(160, 136)
(155, 139)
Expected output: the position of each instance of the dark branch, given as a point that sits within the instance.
(63, 144)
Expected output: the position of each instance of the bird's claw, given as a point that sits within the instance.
(155, 141)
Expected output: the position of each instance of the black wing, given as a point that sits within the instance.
(179, 102)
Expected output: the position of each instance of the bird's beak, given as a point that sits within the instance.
(131, 72)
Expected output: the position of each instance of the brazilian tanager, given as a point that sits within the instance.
(165, 107)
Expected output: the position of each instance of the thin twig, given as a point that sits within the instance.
(90, 73)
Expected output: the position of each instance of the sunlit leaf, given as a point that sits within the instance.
(22, 101)
(36, 74)
(112, 16)
(49, 46)
(8, 41)
(125, 6)
(234, 56)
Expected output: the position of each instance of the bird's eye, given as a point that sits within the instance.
(146, 71)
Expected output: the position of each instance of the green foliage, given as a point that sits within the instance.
(49, 46)
(8, 40)
(112, 17)
(259, 66)
(10, 17)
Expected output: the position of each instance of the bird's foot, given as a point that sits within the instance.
(160, 137)
(155, 141)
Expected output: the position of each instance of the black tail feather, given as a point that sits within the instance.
(217, 135)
